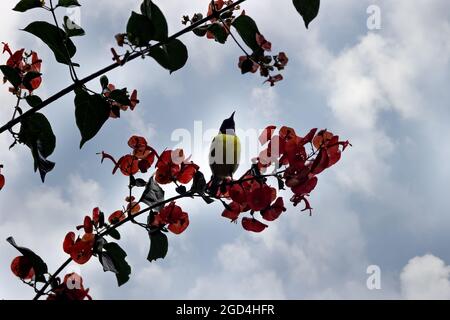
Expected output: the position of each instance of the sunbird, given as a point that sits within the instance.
(225, 152)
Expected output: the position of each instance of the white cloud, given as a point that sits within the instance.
(241, 277)
(264, 101)
(426, 277)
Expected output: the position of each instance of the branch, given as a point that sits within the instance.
(113, 66)
(41, 292)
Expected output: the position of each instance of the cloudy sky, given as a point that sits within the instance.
(385, 204)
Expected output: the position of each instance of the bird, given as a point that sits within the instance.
(225, 152)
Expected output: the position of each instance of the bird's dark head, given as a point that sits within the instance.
(228, 126)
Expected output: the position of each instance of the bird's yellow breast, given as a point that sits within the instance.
(225, 154)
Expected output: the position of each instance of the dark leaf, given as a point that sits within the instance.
(280, 183)
(181, 190)
(247, 29)
(98, 246)
(247, 66)
(157, 19)
(25, 5)
(72, 29)
(39, 266)
(68, 3)
(101, 220)
(208, 200)
(12, 75)
(308, 9)
(117, 257)
(36, 132)
(120, 96)
(33, 101)
(200, 31)
(104, 81)
(91, 112)
(41, 162)
(114, 234)
(153, 194)
(139, 29)
(171, 56)
(220, 34)
(55, 38)
(140, 183)
(199, 183)
(159, 246)
(107, 262)
(255, 171)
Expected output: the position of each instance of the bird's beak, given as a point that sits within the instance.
(232, 116)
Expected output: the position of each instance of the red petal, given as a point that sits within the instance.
(309, 137)
(180, 224)
(69, 241)
(306, 188)
(81, 251)
(267, 134)
(253, 225)
(87, 225)
(2, 181)
(22, 268)
(128, 165)
(187, 173)
(96, 215)
(232, 214)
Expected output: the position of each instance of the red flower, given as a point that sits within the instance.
(247, 65)
(71, 289)
(116, 217)
(16, 59)
(187, 172)
(21, 266)
(233, 212)
(88, 225)
(6, 48)
(80, 250)
(129, 165)
(274, 79)
(172, 166)
(296, 175)
(2, 181)
(253, 225)
(134, 100)
(96, 216)
(218, 5)
(282, 60)
(322, 139)
(133, 207)
(305, 188)
(238, 194)
(20, 61)
(274, 211)
(174, 217)
(263, 43)
(138, 144)
(260, 198)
